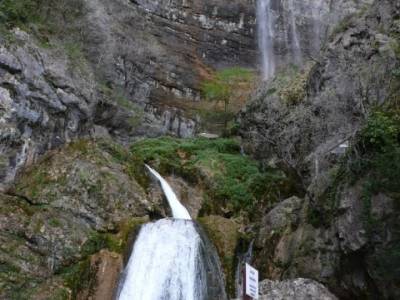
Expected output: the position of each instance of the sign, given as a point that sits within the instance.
(251, 282)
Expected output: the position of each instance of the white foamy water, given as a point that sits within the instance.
(167, 261)
(178, 210)
(165, 264)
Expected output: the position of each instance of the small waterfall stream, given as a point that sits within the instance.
(178, 210)
(265, 30)
(172, 259)
(294, 37)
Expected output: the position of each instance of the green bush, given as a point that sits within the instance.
(16, 12)
(375, 159)
(381, 131)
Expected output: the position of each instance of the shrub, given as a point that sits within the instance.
(16, 12)
(374, 159)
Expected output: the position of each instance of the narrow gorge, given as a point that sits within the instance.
(150, 148)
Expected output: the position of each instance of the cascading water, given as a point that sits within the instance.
(178, 210)
(172, 259)
(265, 27)
(294, 38)
(277, 29)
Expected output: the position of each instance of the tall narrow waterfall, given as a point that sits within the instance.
(172, 259)
(279, 38)
(265, 27)
(294, 37)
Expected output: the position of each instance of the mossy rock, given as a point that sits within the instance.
(224, 234)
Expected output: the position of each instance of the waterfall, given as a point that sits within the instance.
(172, 259)
(318, 27)
(294, 37)
(178, 210)
(277, 28)
(265, 28)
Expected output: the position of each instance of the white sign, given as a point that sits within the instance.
(251, 282)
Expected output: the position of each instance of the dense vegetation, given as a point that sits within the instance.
(231, 179)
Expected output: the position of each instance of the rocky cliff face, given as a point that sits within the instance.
(76, 202)
(302, 117)
(305, 121)
(133, 68)
(158, 52)
(125, 68)
(293, 32)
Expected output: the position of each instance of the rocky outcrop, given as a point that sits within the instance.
(340, 234)
(224, 234)
(114, 68)
(128, 68)
(76, 202)
(342, 254)
(42, 104)
(296, 289)
(293, 32)
(302, 117)
(105, 269)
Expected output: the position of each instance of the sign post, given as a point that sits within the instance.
(250, 283)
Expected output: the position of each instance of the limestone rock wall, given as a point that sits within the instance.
(299, 120)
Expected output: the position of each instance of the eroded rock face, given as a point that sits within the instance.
(105, 268)
(128, 68)
(158, 52)
(343, 254)
(302, 118)
(304, 129)
(293, 31)
(74, 203)
(42, 104)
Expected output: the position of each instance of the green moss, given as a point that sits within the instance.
(55, 222)
(14, 283)
(77, 276)
(224, 81)
(75, 53)
(295, 91)
(16, 12)
(115, 242)
(224, 234)
(231, 179)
